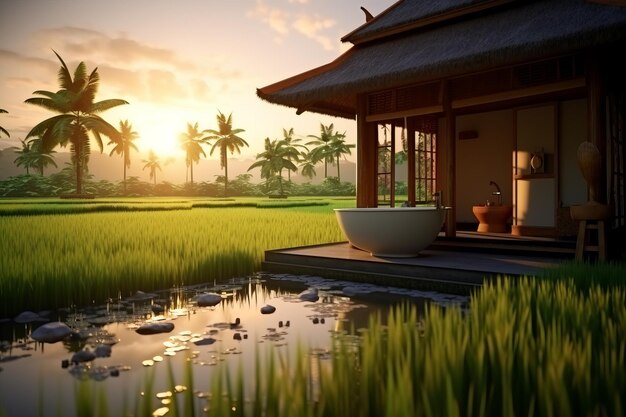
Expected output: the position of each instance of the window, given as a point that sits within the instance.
(406, 167)
(425, 137)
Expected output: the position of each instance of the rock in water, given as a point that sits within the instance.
(268, 309)
(209, 299)
(27, 317)
(103, 351)
(309, 295)
(51, 332)
(205, 341)
(154, 328)
(83, 356)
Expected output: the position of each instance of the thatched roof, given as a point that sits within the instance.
(520, 32)
(405, 15)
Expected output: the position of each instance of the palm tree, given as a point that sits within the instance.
(32, 155)
(124, 144)
(322, 146)
(3, 130)
(308, 166)
(276, 157)
(291, 142)
(153, 163)
(226, 140)
(191, 141)
(25, 158)
(338, 148)
(78, 116)
(40, 156)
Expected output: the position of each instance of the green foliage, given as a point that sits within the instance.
(330, 187)
(56, 184)
(586, 275)
(63, 182)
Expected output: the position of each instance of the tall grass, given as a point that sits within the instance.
(524, 348)
(54, 261)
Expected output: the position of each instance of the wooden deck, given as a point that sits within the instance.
(452, 265)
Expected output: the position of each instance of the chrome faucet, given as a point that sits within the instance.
(497, 193)
(437, 199)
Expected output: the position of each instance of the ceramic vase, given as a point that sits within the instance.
(589, 162)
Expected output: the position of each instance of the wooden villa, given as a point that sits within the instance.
(474, 93)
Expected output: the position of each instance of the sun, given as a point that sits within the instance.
(161, 137)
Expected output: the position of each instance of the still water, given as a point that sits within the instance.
(42, 378)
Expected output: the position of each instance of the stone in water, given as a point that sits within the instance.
(51, 332)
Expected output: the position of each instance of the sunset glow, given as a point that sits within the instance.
(171, 65)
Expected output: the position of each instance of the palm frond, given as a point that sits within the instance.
(107, 104)
(80, 78)
(50, 132)
(65, 79)
(46, 103)
(98, 138)
(97, 124)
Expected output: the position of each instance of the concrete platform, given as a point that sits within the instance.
(455, 265)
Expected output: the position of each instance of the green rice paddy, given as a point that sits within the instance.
(525, 347)
(75, 258)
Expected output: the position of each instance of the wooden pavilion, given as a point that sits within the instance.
(470, 91)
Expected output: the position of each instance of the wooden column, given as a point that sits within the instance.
(449, 193)
(410, 139)
(366, 140)
(596, 116)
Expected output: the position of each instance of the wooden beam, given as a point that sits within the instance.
(405, 113)
(519, 93)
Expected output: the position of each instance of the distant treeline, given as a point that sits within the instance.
(63, 183)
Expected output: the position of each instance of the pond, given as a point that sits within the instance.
(119, 357)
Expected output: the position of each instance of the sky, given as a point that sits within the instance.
(175, 62)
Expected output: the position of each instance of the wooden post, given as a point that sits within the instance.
(366, 141)
(449, 193)
(410, 139)
(596, 117)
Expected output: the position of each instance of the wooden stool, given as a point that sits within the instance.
(584, 241)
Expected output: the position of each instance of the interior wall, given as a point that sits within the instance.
(573, 131)
(536, 200)
(488, 157)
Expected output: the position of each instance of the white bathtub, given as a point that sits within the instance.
(400, 232)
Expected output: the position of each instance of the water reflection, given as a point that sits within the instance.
(105, 347)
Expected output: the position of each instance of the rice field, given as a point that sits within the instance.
(75, 258)
(532, 347)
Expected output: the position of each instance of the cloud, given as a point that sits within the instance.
(276, 19)
(164, 86)
(128, 68)
(281, 21)
(312, 27)
(99, 47)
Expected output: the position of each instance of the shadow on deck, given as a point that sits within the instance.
(450, 264)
